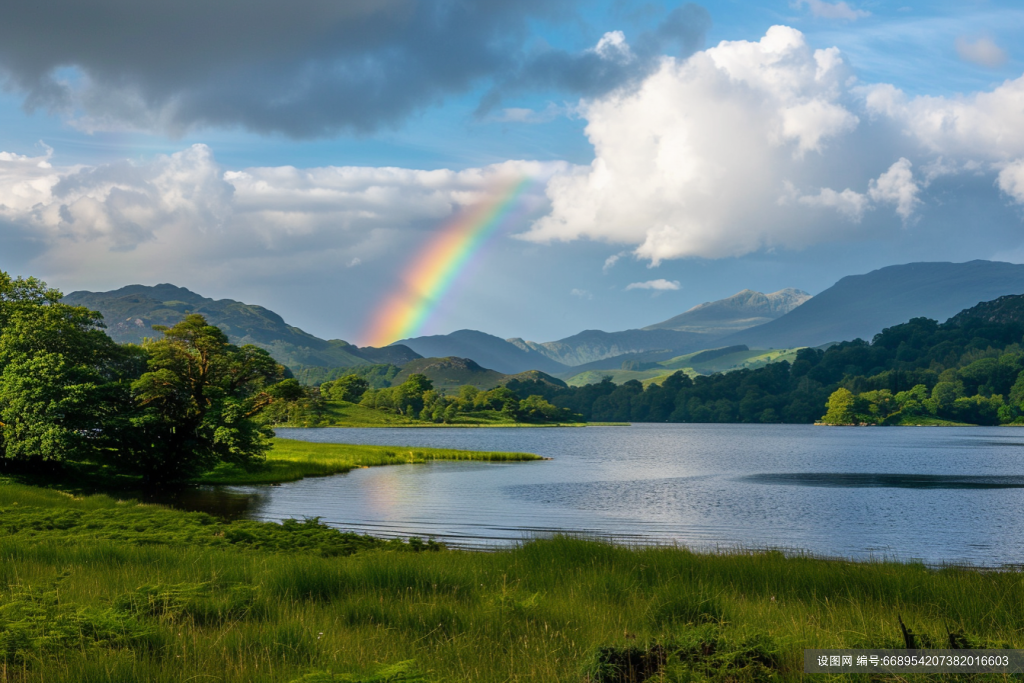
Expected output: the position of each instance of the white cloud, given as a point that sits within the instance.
(581, 293)
(693, 161)
(979, 126)
(983, 52)
(745, 146)
(897, 186)
(183, 215)
(850, 204)
(1011, 180)
(610, 262)
(613, 47)
(832, 10)
(660, 285)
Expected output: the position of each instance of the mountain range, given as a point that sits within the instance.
(856, 306)
(861, 306)
(738, 312)
(130, 313)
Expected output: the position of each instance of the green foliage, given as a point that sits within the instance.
(197, 404)
(34, 622)
(348, 388)
(378, 376)
(967, 370)
(840, 408)
(62, 380)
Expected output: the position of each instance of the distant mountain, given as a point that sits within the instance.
(486, 349)
(863, 305)
(595, 345)
(451, 373)
(131, 312)
(740, 311)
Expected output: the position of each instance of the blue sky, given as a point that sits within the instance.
(300, 159)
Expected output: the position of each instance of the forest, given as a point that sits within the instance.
(964, 371)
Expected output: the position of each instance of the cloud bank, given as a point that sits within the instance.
(772, 144)
(745, 146)
(184, 213)
(306, 68)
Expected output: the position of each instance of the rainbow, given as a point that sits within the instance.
(434, 270)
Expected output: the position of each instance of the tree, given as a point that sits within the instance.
(348, 388)
(840, 408)
(62, 380)
(198, 404)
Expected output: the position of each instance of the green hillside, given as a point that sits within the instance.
(706, 362)
(131, 312)
(448, 374)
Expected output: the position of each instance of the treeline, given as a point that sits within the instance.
(165, 411)
(414, 398)
(965, 370)
(378, 376)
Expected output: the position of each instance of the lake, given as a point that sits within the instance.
(939, 495)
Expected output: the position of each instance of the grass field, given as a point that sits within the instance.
(291, 460)
(98, 590)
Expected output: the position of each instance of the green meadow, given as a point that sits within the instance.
(95, 589)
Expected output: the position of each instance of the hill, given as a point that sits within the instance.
(861, 306)
(450, 373)
(596, 345)
(130, 313)
(1006, 310)
(738, 312)
(706, 362)
(486, 349)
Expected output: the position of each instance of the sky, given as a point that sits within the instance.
(310, 156)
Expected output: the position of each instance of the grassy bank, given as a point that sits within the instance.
(291, 460)
(92, 589)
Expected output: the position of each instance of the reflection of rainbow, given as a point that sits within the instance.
(434, 270)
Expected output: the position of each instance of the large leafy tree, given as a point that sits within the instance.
(198, 404)
(61, 377)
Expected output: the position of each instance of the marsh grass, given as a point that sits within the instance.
(291, 460)
(94, 589)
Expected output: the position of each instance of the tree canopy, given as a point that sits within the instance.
(166, 410)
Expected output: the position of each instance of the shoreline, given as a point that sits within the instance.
(296, 460)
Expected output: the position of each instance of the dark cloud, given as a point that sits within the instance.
(593, 73)
(306, 68)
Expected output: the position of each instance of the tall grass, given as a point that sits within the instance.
(92, 589)
(291, 460)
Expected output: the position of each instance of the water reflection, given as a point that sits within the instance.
(220, 501)
(885, 480)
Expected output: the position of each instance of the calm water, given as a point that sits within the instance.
(938, 495)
